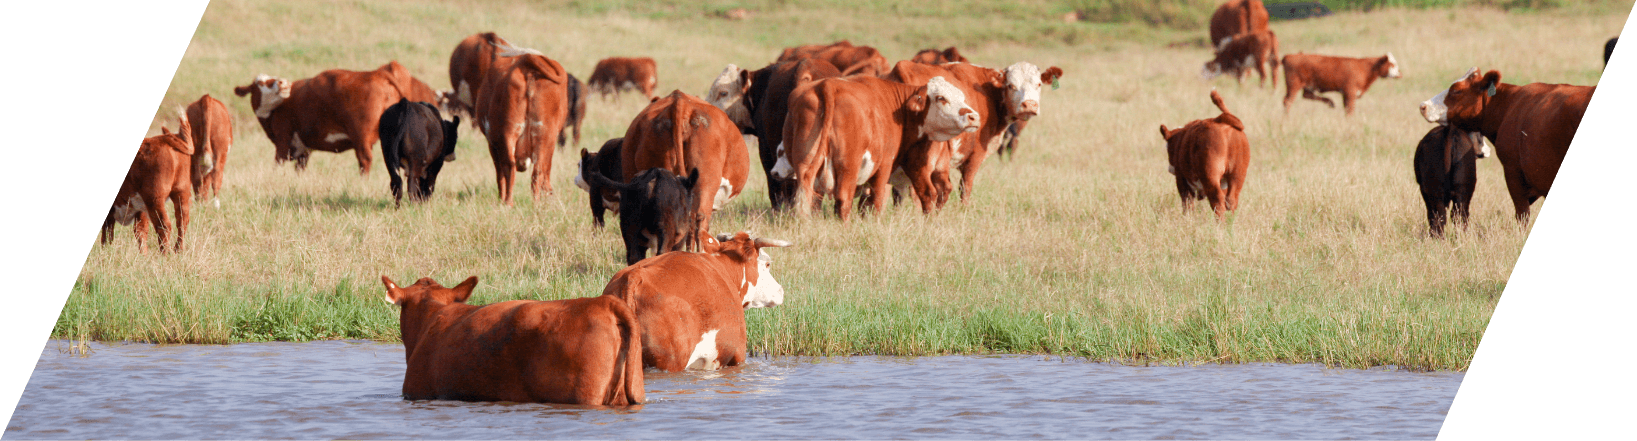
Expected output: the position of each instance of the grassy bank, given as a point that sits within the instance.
(1075, 246)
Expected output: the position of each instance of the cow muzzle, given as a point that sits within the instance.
(1433, 109)
(1028, 109)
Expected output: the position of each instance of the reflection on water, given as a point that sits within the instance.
(351, 390)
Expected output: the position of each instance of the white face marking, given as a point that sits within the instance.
(333, 137)
(704, 353)
(945, 118)
(782, 169)
(865, 169)
(1392, 69)
(727, 93)
(724, 192)
(272, 94)
(579, 180)
(767, 292)
(1434, 109)
(1023, 89)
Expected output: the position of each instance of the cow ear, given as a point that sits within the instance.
(1490, 81)
(463, 291)
(919, 101)
(394, 295)
(241, 90)
(1051, 75)
(745, 77)
(1164, 133)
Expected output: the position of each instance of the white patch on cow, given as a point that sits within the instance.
(216, 202)
(126, 213)
(947, 113)
(579, 181)
(782, 169)
(272, 94)
(1392, 70)
(955, 154)
(298, 148)
(464, 93)
(1434, 109)
(1023, 89)
(526, 163)
(865, 169)
(724, 192)
(826, 183)
(704, 354)
(1220, 45)
(333, 137)
(766, 293)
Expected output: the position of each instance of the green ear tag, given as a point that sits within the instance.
(1054, 83)
(1491, 91)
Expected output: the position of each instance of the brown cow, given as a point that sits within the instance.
(334, 111)
(575, 351)
(469, 65)
(619, 73)
(680, 132)
(691, 305)
(850, 59)
(1315, 74)
(935, 56)
(212, 137)
(1446, 169)
(1236, 17)
(521, 110)
(1209, 158)
(1531, 126)
(1259, 50)
(855, 127)
(159, 172)
(757, 101)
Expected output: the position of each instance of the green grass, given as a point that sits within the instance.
(1077, 246)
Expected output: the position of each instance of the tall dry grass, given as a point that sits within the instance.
(1075, 246)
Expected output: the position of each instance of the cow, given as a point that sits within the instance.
(416, 141)
(607, 163)
(1315, 74)
(619, 73)
(757, 102)
(212, 137)
(681, 132)
(469, 65)
(1608, 49)
(935, 57)
(1531, 126)
(1259, 50)
(1446, 169)
(576, 112)
(520, 109)
(658, 210)
(334, 111)
(159, 172)
(855, 127)
(692, 305)
(1209, 158)
(1001, 98)
(577, 351)
(1236, 17)
(844, 55)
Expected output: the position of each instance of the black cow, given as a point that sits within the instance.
(1608, 49)
(415, 141)
(657, 211)
(1446, 167)
(576, 111)
(607, 163)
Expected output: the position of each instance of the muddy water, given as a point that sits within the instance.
(351, 390)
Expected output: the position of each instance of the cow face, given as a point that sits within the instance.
(1023, 84)
(947, 114)
(266, 93)
(1389, 67)
(727, 92)
(428, 290)
(761, 290)
(1464, 100)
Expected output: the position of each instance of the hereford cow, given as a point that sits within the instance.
(855, 126)
(415, 141)
(575, 351)
(212, 137)
(576, 112)
(1315, 74)
(658, 211)
(521, 109)
(619, 73)
(334, 111)
(691, 305)
(1239, 53)
(1446, 168)
(607, 163)
(469, 65)
(159, 172)
(1236, 17)
(1209, 158)
(680, 132)
(757, 102)
(1531, 126)
(936, 57)
(850, 59)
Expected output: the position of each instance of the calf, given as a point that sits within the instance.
(936, 57)
(692, 305)
(576, 112)
(416, 141)
(607, 163)
(1209, 158)
(469, 65)
(1315, 74)
(1446, 168)
(212, 137)
(1236, 17)
(1259, 50)
(658, 211)
(159, 172)
(679, 133)
(521, 109)
(1531, 126)
(757, 101)
(575, 351)
(619, 73)
(334, 111)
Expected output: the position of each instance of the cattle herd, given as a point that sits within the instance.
(833, 122)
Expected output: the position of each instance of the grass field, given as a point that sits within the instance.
(1077, 246)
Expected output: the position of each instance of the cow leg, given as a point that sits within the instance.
(161, 221)
(1235, 182)
(183, 198)
(504, 174)
(1435, 215)
(1308, 93)
(969, 171)
(1290, 92)
(1347, 99)
(396, 185)
(1518, 190)
(540, 178)
(1186, 192)
(140, 230)
(846, 187)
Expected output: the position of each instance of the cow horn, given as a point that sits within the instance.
(762, 242)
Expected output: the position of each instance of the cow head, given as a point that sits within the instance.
(266, 93)
(1463, 102)
(947, 114)
(761, 291)
(426, 290)
(1387, 67)
(727, 92)
(1023, 83)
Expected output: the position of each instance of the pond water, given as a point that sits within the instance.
(349, 389)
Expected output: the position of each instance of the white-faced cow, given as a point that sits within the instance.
(1209, 158)
(415, 141)
(1531, 126)
(1446, 169)
(334, 111)
(521, 110)
(212, 137)
(757, 102)
(159, 173)
(1315, 74)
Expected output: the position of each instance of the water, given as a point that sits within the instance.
(341, 389)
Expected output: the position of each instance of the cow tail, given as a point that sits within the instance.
(1226, 117)
(627, 379)
(392, 78)
(525, 147)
